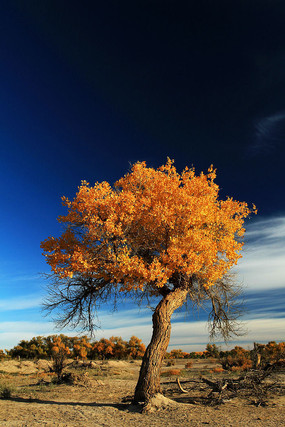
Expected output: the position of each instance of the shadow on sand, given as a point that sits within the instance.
(120, 406)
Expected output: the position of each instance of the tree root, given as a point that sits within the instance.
(158, 402)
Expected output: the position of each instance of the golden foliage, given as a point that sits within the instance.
(135, 348)
(151, 225)
(81, 347)
(59, 348)
(237, 360)
(217, 370)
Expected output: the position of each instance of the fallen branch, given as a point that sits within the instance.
(256, 386)
(180, 387)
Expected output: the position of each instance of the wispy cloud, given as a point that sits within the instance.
(270, 228)
(262, 265)
(194, 337)
(31, 327)
(269, 132)
(265, 304)
(13, 332)
(189, 335)
(20, 303)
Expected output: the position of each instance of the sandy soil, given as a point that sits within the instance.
(101, 397)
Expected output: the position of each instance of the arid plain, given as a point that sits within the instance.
(99, 394)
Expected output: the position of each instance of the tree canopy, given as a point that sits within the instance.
(151, 226)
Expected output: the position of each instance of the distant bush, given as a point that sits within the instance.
(116, 348)
(174, 372)
(197, 355)
(237, 359)
(60, 353)
(80, 348)
(188, 365)
(177, 354)
(270, 353)
(212, 351)
(5, 391)
(217, 370)
(4, 354)
(261, 356)
(171, 373)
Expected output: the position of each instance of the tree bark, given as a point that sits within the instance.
(149, 379)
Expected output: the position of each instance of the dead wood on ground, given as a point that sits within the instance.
(257, 386)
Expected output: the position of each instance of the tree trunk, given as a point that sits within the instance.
(149, 379)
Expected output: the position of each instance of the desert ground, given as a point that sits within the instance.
(99, 394)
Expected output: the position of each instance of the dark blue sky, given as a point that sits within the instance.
(86, 88)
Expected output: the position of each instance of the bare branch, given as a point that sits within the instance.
(75, 302)
(227, 307)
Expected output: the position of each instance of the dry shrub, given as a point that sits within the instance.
(174, 372)
(217, 370)
(171, 372)
(188, 365)
(268, 354)
(170, 363)
(237, 360)
(42, 374)
(236, 368)
(244, 367)
(71, 378)
(5, 391)
(60, 353)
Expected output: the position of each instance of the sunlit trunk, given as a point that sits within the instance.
(149, 378)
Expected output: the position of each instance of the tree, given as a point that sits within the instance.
(177, 354)
(81, 346)
(135, 348)
(119, 347)
(212, 350)
(104, 349)
(155, 233)
(35, 348)
(60, 352)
